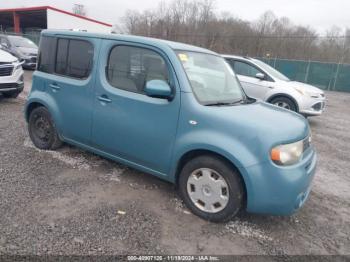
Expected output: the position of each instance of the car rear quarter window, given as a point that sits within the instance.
(129, 68)
(46, 57)
(74, 58)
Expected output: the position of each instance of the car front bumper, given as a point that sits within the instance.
(311, 106)
(30, 62)
(11, 87)
(13, 82)
(280, 190)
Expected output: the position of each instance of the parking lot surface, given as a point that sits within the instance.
(74, 202)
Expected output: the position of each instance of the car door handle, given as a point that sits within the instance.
(55, 86)
(104, 98)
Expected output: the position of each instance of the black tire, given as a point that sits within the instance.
(232, 179)
(281, 100)
(11, 95)
(42, 130)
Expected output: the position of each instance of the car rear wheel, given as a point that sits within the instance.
(284, 102)
(211, 188)
(42, 130)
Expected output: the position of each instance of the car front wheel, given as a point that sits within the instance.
(284, 102)
(211, 188)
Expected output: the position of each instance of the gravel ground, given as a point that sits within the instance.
(74, 202)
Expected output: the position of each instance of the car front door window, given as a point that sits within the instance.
(130, 68)
(252, 85)
(245, 69)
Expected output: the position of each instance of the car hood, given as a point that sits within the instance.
(261, 126)
(269, 121)
(28, 50)
(6, 57)
(306, 87)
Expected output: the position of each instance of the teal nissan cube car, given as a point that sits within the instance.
(175, 111)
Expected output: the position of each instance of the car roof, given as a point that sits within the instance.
(238, 57)
(6, 35)
(16, 36)
(131, 38)
(12, 36)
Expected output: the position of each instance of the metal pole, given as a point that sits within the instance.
(307, 72)
(336, 76)
(340, 61)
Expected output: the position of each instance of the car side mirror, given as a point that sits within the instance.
(260, 76)
(158, 89)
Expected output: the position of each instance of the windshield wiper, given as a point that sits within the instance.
(225, 103)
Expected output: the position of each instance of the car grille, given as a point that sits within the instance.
(6, 70)
(8, 85)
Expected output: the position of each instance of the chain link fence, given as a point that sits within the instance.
(327, 76)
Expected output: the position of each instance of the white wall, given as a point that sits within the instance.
(58, 20)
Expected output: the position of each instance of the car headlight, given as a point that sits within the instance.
(303, 92)
(287, 154)
(17, 64)
(314, 94)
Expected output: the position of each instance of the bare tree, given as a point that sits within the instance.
(196, 22)
(79, 9)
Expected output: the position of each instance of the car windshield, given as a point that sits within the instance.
(270, 70)
(212, 79)
(22, 42)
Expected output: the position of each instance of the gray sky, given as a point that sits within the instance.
(320, 14)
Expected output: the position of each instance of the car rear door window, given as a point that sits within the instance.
(46, 56)
(61, 56)
(74, 58)
(245, 69)
(129, 68)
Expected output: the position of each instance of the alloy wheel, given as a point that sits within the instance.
(282, 104)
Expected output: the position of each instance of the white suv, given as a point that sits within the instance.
(11, 75)
(261, 81)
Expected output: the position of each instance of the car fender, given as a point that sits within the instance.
(228, 147)
(47, 101)
(280, 88)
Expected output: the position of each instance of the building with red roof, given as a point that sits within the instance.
(30, 19)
